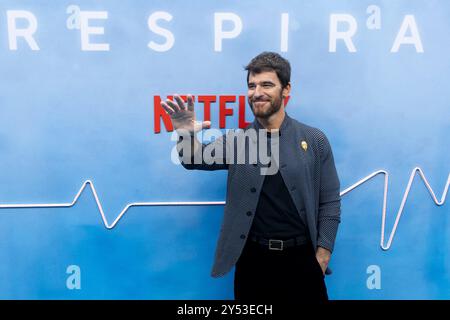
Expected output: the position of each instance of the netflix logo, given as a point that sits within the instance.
(225, 105)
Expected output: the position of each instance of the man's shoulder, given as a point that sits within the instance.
(312, 132)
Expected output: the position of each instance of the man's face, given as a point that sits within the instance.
(265, 94)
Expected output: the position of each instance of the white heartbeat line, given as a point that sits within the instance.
(215, 203)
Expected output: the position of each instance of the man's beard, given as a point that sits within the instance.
(275, 106)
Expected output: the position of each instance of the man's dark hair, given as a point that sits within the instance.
(270, 61)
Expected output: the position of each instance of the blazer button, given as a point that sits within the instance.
(249, 213)
(293, 188)
(283, 165)
(242, 236)
(253, 190)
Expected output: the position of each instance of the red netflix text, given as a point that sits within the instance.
(227, 107)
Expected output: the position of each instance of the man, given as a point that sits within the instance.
(279, 229)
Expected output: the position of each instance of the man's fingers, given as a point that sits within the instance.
(168, 109)
(190, 103)
(173, 105)
(206, 124)
(180, 102)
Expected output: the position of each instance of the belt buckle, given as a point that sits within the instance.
(280, 248)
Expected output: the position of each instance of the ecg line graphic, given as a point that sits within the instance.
(215, 203)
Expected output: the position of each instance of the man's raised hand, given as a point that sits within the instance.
(183, 116)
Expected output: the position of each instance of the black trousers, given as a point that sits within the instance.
(293, 274)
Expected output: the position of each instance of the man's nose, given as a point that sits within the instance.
(258, 92)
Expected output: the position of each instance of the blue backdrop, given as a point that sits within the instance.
(74, 109)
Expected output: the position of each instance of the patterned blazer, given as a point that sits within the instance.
(307, 166)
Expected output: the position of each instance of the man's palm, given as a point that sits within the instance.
(183, 116)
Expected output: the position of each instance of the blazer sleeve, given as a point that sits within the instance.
(329, 215)
(211, 156)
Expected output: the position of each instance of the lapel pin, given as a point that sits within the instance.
(304, 145)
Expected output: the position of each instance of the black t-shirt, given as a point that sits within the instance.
(276, 216)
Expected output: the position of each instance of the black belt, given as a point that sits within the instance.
(274, 244)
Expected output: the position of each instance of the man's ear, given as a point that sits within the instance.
(286, 90)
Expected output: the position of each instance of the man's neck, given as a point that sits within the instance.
(274, 121)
